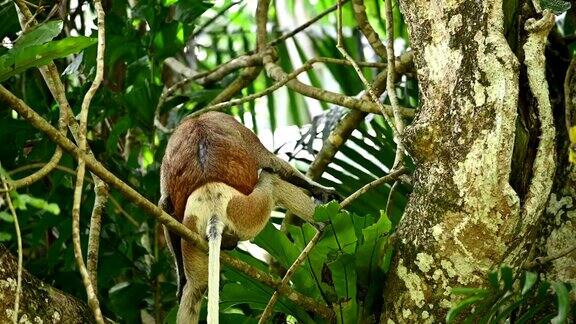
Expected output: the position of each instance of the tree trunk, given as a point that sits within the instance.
(39, 303)
(464, 218)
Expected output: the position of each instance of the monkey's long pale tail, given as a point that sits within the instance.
(214, 233)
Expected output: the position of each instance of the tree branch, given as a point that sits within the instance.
(80, 171)
(373, 39)
(391, 86)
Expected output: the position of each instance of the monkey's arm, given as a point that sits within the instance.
(173, 242)
(287, 172)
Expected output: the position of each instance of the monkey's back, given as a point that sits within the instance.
(211, 148)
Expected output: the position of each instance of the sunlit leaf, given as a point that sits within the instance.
(40, 34)
(19, 59)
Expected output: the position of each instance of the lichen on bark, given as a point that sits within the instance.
(463, 212)
(40, 303)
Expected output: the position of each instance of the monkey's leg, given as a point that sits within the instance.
(247, 215)
(288, 173)
(173, 242)
(196, 270)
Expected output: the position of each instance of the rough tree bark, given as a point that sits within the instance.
(39, 303)
(464, 218)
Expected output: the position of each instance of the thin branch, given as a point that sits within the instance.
(45, 168)
(27, 19)
(367, 86)
(289, 273)
(391, 85)
(569, 96)
(19, 242)
(542, 260)
(101, 195)
(136, 198)
(305, 67)
(362, 19)
(276, 72)
(44, 171)
(306, 24)
(86, 276)
(211, 20)
(340, 134)
(223, 105)
(392, 176)
(205, 77)
(115, 202)
(346, 126)
(391, 197)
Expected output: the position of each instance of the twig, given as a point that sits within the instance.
(373, 39)
(306, 24)
(544, 164)
(28, 19)
(101, 195)
(305, 67)
(115, 202)
(86, 276)
(136, 198)
(340, 134)
(19, 242)
(391, 85)
(223, 105)
(276, 72)
(391, 197)
(205, 77)
(289, 273)
(378, 182)
(211, 20)
(367, 86)
(44, 171)
(569, 97)
(541, 260)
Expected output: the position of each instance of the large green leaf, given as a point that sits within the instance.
(40, 34)
(20, 59)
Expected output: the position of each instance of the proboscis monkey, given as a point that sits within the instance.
(219, 180)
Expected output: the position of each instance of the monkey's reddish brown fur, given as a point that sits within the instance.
(225, 148)
(211, 162)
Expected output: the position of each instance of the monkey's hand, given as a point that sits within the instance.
(324, 195)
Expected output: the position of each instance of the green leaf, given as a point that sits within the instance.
(563, 299)
(120, 127)
(493, 280)
(469, 291)
(277, 244)
(326, 211)
(6, 217)
(346, 312)
(344, 277)
(507, 277)
(557, 6)
(188, 10)
(456, 310)
(5, 236)
(20, 59)
(529, 281)
(369, 252)
(40, 34)
(22, 201)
